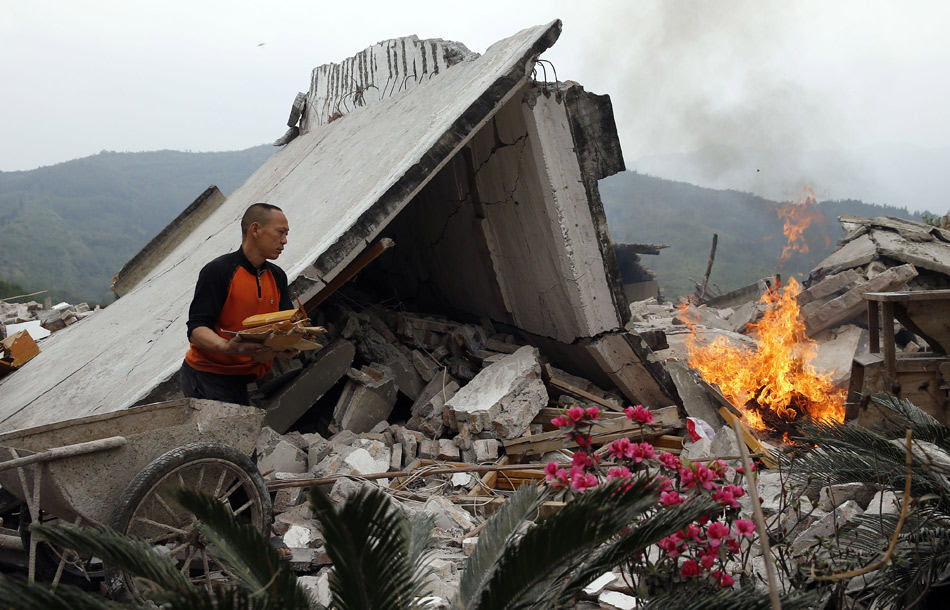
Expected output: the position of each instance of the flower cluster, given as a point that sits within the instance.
(703, 549)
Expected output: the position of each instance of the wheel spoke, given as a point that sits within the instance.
(165, 526)
(201, 477)
(244, 507)
(217, 488)
(168, 509)
(207, 568)
(237, 485)
(186, 566)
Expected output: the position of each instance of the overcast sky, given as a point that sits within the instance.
(79, 77)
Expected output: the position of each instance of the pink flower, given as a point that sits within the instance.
(690, 568)
(669, 545)
(741, 469)
(692, 532)
(716, 531)
(725, 497)
(556, 476)
(592, 412)
(561, 422)
(669, 460)
(641, 451)
(745, 528)
(719, 468)
(733, 545)
(621, 448)
(619, 473)
(575, 413)
(704, 476)
(687, 478)
(707, 561)
(639, 414)
(724, 580)
(582, 482)
(582, 440)
(582, 459)
(671, 498)
(663, 483)
(736, 490)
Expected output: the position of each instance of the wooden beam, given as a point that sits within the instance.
(575, 391)
(347, 274)
(751, 441)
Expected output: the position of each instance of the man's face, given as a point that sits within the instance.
(270, 238)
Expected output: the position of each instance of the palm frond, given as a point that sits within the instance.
(906, 414)
(372, 553)
(17, 593)
(729, 599)
(492, 541)
(638, 537)
(549, 552)
(247, 553)
(131, 555)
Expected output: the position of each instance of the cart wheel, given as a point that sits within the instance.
(146, 511)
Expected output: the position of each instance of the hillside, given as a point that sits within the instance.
(645, 209)
(68, 228)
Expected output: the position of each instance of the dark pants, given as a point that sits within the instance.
(214, 386)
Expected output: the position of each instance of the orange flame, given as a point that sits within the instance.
(796, 217)
(776, 374)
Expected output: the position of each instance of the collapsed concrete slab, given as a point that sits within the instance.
(503, 398)
(367, 399)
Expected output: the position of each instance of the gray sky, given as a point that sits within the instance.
(81, 77)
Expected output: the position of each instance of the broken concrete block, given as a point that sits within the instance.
(285, 457)
(615, 600)
(287, 498)
(428, 449)
(447, 516)
(827, 526)
(697, 400)
(837, 348)
(297, 515)
(409, 439)
(344, 488)
(301, 536)
(448, 450)
(329, 365)
(599, 583)
(830, 287)
(832, 496)
(318, 587)
(361, 461)
(425, 365)
(395, 460)
(367, 399)
(852, 304)
(317, 448)
(883, 503)
(427, 411)
(469, 544)
(724, 443)
(697, 450)
(486, 450)
(502, 398)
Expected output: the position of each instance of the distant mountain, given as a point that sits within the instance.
(645, 209)
(895, 175)
(68, 228)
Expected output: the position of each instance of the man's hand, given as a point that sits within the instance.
(206, 338)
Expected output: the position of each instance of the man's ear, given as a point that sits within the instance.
(254, 228)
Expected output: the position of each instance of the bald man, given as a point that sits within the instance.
(230, 288)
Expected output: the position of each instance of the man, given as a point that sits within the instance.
(230, 288)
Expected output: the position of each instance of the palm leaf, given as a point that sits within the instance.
(492, 541)
(131, 555)
(246, 552)
(376, 553)
(549, 552)
(638, 537)
(729, 599)
(18, 593)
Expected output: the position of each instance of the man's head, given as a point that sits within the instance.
(264, 232)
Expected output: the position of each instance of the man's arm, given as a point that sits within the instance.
(207, 339)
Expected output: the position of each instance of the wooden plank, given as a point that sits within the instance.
(489, 479)
(753, 443)
(908, 295)
(887, 336)
(567, 388)
(667, 417)
(874, 327)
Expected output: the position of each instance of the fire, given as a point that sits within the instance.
(797, 217)
(775, 379)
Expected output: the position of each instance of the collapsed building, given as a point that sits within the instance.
(484, 177)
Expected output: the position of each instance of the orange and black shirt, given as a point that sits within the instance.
(230, 289)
